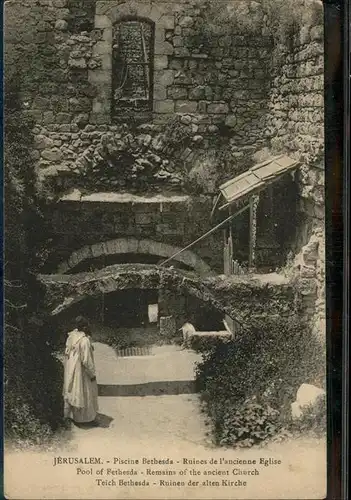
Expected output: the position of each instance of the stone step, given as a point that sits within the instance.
(157, 388)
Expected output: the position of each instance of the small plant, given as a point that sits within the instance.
(313, 419)
(248, 424)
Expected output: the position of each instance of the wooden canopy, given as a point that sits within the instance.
(255, 179)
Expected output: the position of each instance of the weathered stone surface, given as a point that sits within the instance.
(167, 22)
(166, 106)
(160, 92)
(82, 119)
(78, 63)
(178, 41)
(231, 121)
(43, 142)
(160, 62)
(164, 78)
(48, 117)
(60, 3)
(178, 93)
(101, 48)
(218, 108)
(163, 48)
(99, 77)
(102, 21)
(186, 106)
(186, 22)
(197, 93)
(61, 25)
(53, 155)
(64, 14)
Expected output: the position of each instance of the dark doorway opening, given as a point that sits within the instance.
(127, 308)
(203, 316)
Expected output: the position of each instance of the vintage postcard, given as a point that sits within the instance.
(164, 249)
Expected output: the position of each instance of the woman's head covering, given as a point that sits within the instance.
(82, 324)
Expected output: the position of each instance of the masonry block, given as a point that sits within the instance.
(102, 47)
(102, 21)
(186, 106)
(163, 48)
(167, 22)
(166, 106)
(160, 62)
(164, 78)
(160, 92)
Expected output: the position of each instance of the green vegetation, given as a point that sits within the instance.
(249, 384)
(32, 376)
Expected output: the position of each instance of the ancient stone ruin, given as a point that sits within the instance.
(141, 111)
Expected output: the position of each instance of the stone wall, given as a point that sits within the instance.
(221, 67)
(307, 271)
(230, 79)
(31, 57)
(217, 82)
(295, 125)
(77, 224)
(234, 82)
(150, 158)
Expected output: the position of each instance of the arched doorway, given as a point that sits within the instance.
(131, 250)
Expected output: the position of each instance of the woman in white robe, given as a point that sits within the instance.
(80, 387)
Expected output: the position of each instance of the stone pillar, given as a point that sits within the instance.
(171, 303)
(168, 328)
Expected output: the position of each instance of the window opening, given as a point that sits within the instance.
(132, 82)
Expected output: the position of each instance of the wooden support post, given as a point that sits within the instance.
(103, 309)
(230, 243)
(253, 226)
(228, 248)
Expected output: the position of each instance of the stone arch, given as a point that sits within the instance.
(120, 246)
(244, 298)
(64, 290)
(106, 15)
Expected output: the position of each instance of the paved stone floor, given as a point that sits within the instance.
(156, 428)
(166, 363)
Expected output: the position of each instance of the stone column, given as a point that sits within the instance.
(168, 329)
(172, 313)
